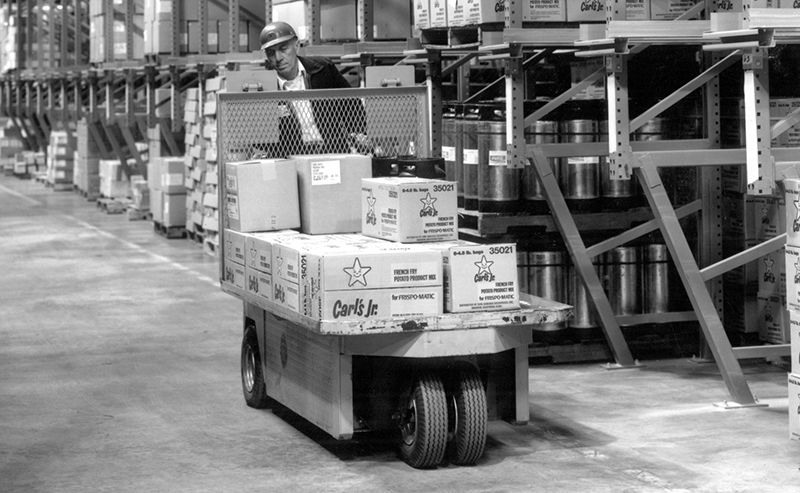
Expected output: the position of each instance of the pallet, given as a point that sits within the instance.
(60, 187)
(169, 232)
(197, 236)
(89, 196)
(135, 214)
(112, 206)
(40, 178)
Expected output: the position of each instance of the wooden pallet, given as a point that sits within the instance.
(112, 206)
(60, 187)
(210, 248)
(136, 214)
(169, 232)
(89, 196)
(197, 236)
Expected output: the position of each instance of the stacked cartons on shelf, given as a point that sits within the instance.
(114, 183)
(60, 161)
(211, 178)
(159, 19)
(9, 147)
(98, 34)
(195, 164)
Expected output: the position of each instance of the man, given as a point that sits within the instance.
(313, 126)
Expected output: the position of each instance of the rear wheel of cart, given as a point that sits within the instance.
(423, 423)
(253, 386)
(468, 416)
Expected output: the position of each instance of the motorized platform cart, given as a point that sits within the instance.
(435, 380)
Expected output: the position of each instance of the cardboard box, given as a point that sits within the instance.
(233, 273)
(157, 206)
(409, 210)
(794, 406)
(794, 339)
(438, 13)
(481, 277)
(259, 249)
(544, 10)
(774, 318)
(235, 246)
(329, 188)
(474, 12)
(422, 14)
(174, 209)
(171, 171)
(262, 195)
(792, 209)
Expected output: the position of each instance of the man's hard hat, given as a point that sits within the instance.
(276, 33)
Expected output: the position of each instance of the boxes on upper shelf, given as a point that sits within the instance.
(409, 210)
(262, 195)
(329, 186)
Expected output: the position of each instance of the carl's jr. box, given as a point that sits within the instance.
(261, 195)
(481, 277)
(409, 210)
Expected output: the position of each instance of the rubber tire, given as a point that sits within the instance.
(468, 396)
(251, 361)
(429, 420)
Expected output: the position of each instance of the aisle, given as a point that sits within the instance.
(119, 371)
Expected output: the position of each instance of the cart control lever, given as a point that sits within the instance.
(257, 86)
(387, 82)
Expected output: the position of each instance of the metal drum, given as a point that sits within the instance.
(654, 129)
(580, 176)
(547, 278)
(623, 284)
(655, 279)
(384, 166)
(469, 153)
(452, 147)
(584, 323)
(532, 194)
(498, 185)
(616, 194)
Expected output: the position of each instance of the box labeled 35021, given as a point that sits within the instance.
(481, 277)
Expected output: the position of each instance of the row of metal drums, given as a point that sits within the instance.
(474, 151)
(636, 280)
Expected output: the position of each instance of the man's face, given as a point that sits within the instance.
(283, 58)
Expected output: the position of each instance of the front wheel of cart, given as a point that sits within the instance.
(253, 386)
(468, 417)
(423, 423)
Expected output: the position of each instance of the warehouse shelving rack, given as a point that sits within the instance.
(747, 44)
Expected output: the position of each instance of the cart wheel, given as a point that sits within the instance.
(423, 425)
(255, 391)
(468, 417)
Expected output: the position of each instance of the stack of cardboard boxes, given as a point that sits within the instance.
(792, 187)
(60, 161)
(87, 162)
(119, 34)
(367, 248)
(166, 182)
(114, 183)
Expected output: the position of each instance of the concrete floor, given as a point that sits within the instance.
(119, 371)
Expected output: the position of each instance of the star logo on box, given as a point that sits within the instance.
(427, 206)
(796, 222)
(229, 248)
(280, 265)
(371, 217)
(357, 273)
(253, 253)
(769, 276)
(768, 314)
(765, 215)
(484, 270)
(797, 272)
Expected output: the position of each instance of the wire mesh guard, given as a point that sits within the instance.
(377, 122)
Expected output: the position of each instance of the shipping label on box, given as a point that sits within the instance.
(438, 13)
(794, 406)
(380, 303)
(286, 294)
(544, 10)
(792, 208)
(482, 277)
(456, 13)
(235, 246)
(668, 10)
(409, 210)
(794, 339)
(478, 12)
(259, 249)
(233, 273)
